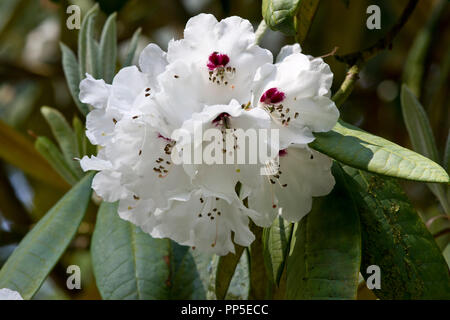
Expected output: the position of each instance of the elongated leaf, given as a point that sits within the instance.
(34, 258)
(306, 12)
(418, 126)
(132, 48)
(414, 67)
(80, 137)
(422, 137)
(64, 136)
(86, 47)
(18, 151)
(52, 154)
(276, 241)
(129, 264)
(280, 15)
(325, 254)
(395, 239)
(72, 74)
(259, 286)
(446, 161)
(225, 271)
(108, 48)
(239, 286)
(359, 149)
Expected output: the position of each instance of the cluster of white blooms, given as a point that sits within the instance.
(218, 77)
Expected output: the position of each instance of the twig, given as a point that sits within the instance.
(357, 60)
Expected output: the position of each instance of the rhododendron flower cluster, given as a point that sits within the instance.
(215, 77)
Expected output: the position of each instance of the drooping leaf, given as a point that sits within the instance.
(34, 258)
(418, 126)
(56, 159)
(18, 151)
(276, 239)
(86, 44)
(325, 253)
(395, 239)
(108, 48)
(280, 15)
(259, 286)
(305, 16)
(239, 285)
(65, 137)
(72, 74)
(129, 264)
(446, 161)
(359, 149)
(225, 271)
(414, 68)
(422, 138)
(132, 48)
(80, 137)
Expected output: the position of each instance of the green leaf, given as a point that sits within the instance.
(421, 135)
(239, 285)
(72, 74)
(80, 137)
(64, 136)
(414, 68)
(395, 238)
(360, 149)
(259, 287)
(276, 239)
(305, 16)
(325, 254)
(34, 258)
(132, 48)
(280, 15)
(20, 152)
(52, 154)
(86, 44)
(135, 266)
(108, 48)
(225, 271)
(446, 160)
(418, 126)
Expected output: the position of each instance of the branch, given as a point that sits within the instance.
(357, 60)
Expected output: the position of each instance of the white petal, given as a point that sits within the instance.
(8, 294)
(100, 125)
(94, 163)
(287, 51)
(107, 185)
(195, 223)
(307, 174)
(128, 85)
(152, 60)
(94, 92)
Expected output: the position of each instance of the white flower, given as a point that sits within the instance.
(296, 93)
(302, 174)
(214, 64)
(215, 78)
(223, 53)
(129, 91)
(205, 222)
(8, 294)
(134, 160)
(227, 156)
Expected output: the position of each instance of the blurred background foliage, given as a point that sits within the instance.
(31, 76)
